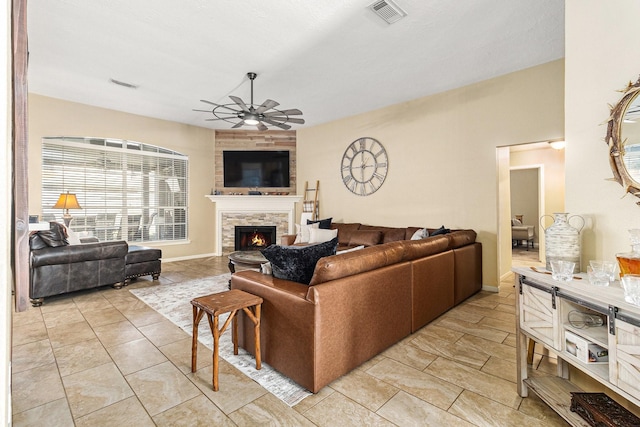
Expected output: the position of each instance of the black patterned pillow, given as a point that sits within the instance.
(325, 224)
(440, 230)
(297, 263)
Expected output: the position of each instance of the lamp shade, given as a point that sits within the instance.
(67, 201)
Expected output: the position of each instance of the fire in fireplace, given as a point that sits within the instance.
(253, 238)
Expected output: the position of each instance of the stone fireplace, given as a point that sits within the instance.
(251, 211)
(253, 237)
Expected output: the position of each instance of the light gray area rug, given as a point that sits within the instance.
(174, 303)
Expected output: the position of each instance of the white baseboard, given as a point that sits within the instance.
(490, 288)
(185, 258)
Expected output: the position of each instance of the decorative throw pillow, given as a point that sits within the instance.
(303, 232)
(319, 235)
(297, 263)
(440, 230)
(516, 222)
(322, 223)
(72, 237)
(265, 268)
(420, 234)
(55, 236)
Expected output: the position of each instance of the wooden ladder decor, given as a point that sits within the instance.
(311, 204)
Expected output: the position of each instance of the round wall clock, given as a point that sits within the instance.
(364, 166)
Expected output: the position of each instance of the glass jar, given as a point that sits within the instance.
(629, 262)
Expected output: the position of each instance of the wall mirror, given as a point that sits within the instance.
(623, 138)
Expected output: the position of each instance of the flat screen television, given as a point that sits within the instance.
(256, 168)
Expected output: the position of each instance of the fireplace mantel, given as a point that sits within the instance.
(252, 204)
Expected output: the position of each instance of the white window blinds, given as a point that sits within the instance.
(126, 190)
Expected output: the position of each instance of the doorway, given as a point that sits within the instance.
(526, 205)
(549, 166)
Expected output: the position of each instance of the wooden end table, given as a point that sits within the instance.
(215, 305)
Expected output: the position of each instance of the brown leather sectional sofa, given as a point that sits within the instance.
(359, 303)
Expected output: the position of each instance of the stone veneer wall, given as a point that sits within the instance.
(230, 220)
(270, 140)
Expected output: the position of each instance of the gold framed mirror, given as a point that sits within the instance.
(623, 138)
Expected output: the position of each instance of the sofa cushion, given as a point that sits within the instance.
(393, 234)
(365, 237)
(414, 249)
(325, 224)
(352, 263)
(459, 238)
(142, 254)
(344, 231)
(297, 263)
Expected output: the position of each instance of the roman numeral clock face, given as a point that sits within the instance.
(364, 166)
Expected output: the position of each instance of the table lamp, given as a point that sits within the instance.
(67, 201)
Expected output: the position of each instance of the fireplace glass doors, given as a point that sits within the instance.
(254, 238)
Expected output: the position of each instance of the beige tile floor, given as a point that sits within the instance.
(103, 358)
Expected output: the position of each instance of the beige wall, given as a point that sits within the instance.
(442, 154)
(54, 117)
(601, 39)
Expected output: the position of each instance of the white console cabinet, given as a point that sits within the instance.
(544, 308)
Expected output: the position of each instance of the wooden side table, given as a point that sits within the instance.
(215, 305)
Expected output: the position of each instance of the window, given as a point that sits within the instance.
(127, 190)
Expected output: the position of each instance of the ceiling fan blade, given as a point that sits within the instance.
(218, 106)
(218, 118)
(209, 102)
(286, 119)
(261, 126)
(291, 112)
(274, 123)
(291, 120)
(267, 105)
(240, 103)
(238, 125)
(204, 111)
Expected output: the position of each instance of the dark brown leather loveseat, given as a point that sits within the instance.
(56, 267)
(359, 303)
(63, 269)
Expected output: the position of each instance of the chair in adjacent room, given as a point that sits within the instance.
(521, 232)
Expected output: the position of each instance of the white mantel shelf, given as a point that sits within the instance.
(244, 203)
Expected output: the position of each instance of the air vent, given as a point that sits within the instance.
(125, 84)
(388, 11)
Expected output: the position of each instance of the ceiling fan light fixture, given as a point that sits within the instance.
(240, 113)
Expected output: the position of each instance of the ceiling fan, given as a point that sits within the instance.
(252, 115)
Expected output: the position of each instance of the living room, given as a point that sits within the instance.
(442, 171)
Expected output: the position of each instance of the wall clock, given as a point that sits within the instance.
(364, 166)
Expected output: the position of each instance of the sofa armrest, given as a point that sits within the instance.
(78, 253)
(287, 239)
(89, 239)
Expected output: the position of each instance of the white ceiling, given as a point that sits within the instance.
(331, 59)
